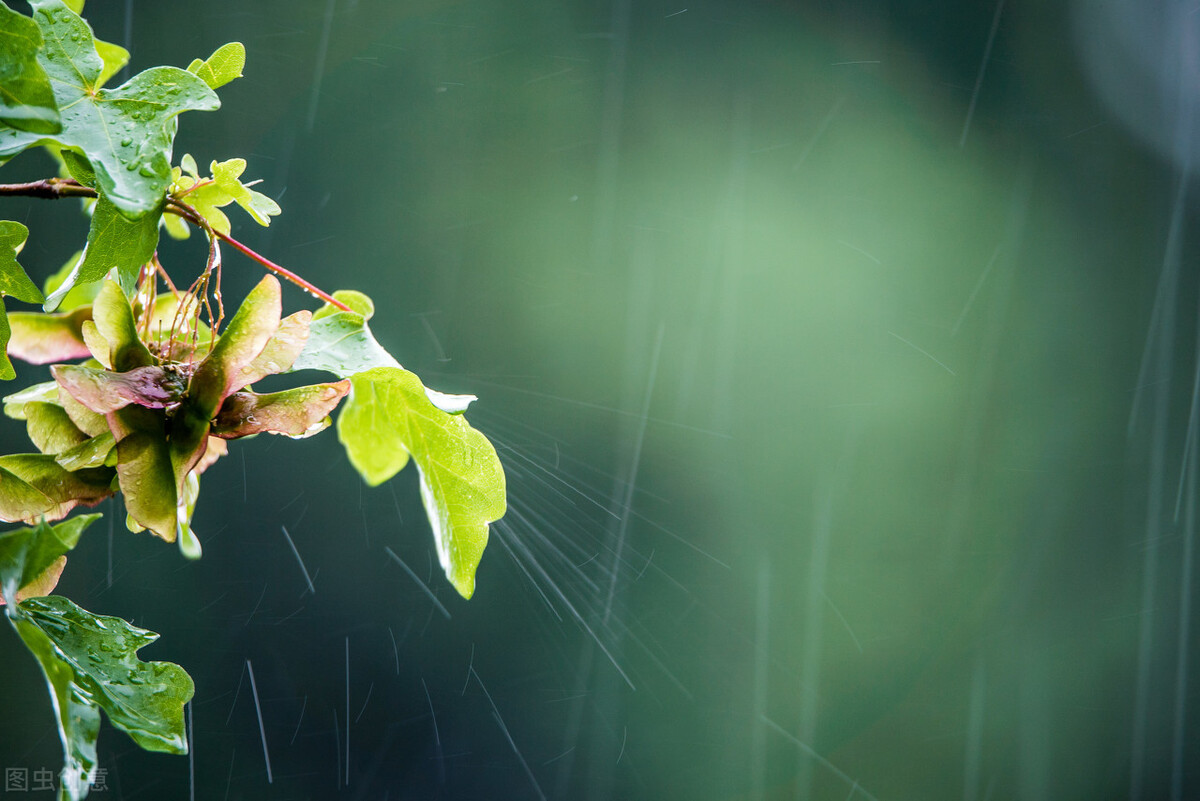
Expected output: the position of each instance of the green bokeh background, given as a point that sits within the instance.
(814, 410)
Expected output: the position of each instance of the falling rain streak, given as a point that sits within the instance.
(843, 361)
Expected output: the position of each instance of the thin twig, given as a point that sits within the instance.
(191, 215)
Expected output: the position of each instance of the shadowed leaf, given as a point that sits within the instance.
(50, 427)
(126, 133)
(26, 97)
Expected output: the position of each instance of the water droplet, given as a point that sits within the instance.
(126, 141)
(131, 165)
(146, 171)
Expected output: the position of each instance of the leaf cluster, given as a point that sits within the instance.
(148, 380)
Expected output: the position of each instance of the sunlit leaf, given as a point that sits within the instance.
(126, 133)
(87, 421)
(222, 66)
(225, 187)
(14, 404)
(40, 338)
(13, 282)
(282, 349)
(358, 303)
(387, 418)
(113, 56)
(299, 412)
(26, 98)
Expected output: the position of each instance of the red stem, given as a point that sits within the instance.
(55, 188)
(192, 216)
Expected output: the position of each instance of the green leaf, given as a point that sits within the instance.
(230, 365)
(27, 552)
(26, 98)
(114, 321)
(14, 404)
(89, 422)
(222, 66)
(341, 343)
(126, 133)
(98, 451)
(81, 295)
(91, 663)
(14, 282)
(34, 484)
(114, 57)
(225, 187)
(357, 301)
(144, 469)
(113, 241)
(282, 349)
(78, 717)
(387, 418)
(50, 428)
(77, 166)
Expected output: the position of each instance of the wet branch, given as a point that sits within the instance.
(58, 188)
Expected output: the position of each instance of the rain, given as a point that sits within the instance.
(843, 361)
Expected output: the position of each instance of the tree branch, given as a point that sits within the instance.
(58, 188)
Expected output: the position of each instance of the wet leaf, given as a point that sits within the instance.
(13, 282)
(341, 342)
(388, 418)
(282, 349)
(299, 412)
(26, 98)
(89, 422)
(104, 391)
(225, 187)
(126, 133)
(50, 427)
(144, 469)
(97, 451)
(230, 365)
(99, 652)
(81, 295)
(34, 484)
(14, 404)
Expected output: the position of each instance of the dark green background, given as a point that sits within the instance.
(884, 496)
